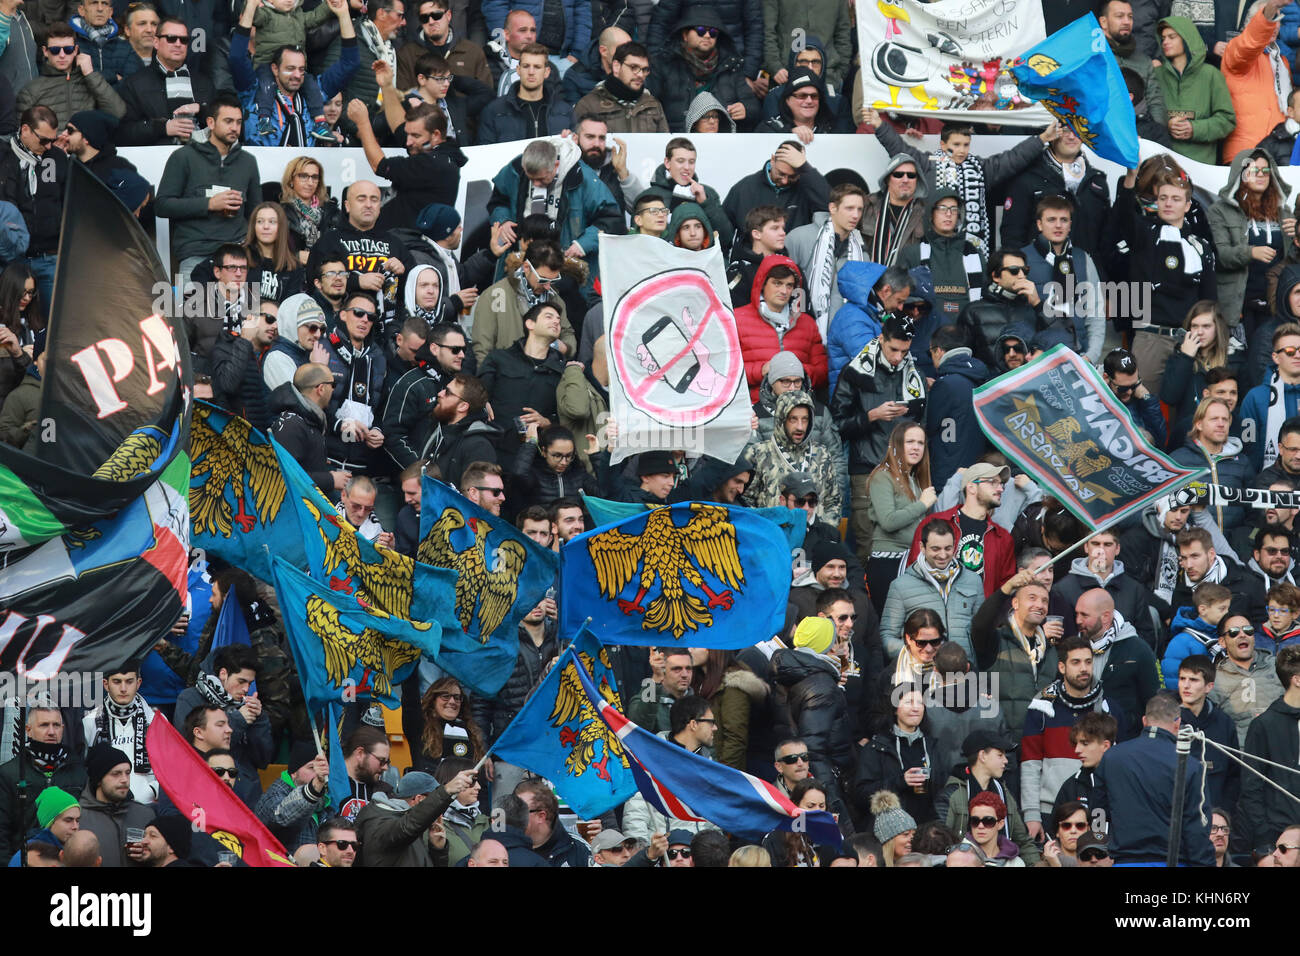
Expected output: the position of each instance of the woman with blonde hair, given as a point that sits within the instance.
(272, 267)
(306, 202)
(750, 856)
(1207, 344)
(900, 495)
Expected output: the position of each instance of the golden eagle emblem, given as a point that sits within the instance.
(134, 457)
(1077, 453)
(488, 591)
(385, 585)
(1042, 64)
(221, 459)
(572, 704)
(671, 553)
(344, 649)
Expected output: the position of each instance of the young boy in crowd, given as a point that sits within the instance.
(1196, 633)
(1282, 629)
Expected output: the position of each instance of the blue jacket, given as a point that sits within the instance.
(953, 433)
(246, 78)
(43, 835)
(577, 22)
(1138, 775)
(1288, 35)
(857, 321)
(1255, 408)
(1191, 636)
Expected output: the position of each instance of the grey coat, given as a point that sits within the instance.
(912, 590)
(1228, 226)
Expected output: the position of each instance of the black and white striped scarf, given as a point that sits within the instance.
(213, 691)
(967, 181)
(134, 713)
(821, 279)
(886, 241)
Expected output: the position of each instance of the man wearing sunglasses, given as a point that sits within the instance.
(436, 36)
(894, 217)
(1120, 370)
(740, 22)
(68, 82)
(356, 357)
(163, 99)
(237, 382)
(38, 197)
(300, 324)
(337, 842)
(700, 52)
(1009, 300)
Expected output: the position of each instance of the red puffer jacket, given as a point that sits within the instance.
(759, 341)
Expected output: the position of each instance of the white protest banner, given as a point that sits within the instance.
(939, 59)
(676, 375)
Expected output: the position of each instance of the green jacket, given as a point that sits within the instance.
(20, 410)
(183, 197)
(580, 406)
(1199, 90)
(72, 92)
(957, 817)
(741, 691)
(461, 840)
(276, 28)
(893, 514)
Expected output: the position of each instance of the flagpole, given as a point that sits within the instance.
(315, 733)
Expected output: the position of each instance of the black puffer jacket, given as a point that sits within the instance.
(299, 426)
(237, 379)
(818, 709)
(984, 320)
(492, 716)
(880, 769)
(536, 484)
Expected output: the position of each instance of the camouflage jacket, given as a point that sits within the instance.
(774, 458)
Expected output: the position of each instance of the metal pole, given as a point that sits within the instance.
(1183, 749)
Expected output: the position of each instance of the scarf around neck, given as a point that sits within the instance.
(311, 213)
(886, 241)
(1276, 416)
(134, 714)
(1036, 650)
(26, 161)
(1218, 570)
(823, 270)
(967, 181)
(780, 321)
(47, 758)
(869, 361)
(701, 66)
(377, 45)
(211, 690)
(1056, 693)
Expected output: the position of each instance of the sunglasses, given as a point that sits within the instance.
(808, 500)
(983, 822)
(268, 318)
(791, 759)
(432, 17)
(1067, 825)
(806, 96)
(449, 696)
(362, 314)
(1288, 350)
(353, 845)
(931, 643)
(541, 280)
(1092, 856)
(1125, 389)
(845, 617)
(683, 853)
(706, 31)
(1244, 631)
(453, 349)
(900, 174)
(1285, 848)
(313, 328)
(230, 772)
(1015, 270)
(1015, 347)
(65, 50)
(174, 37)
(495, 492)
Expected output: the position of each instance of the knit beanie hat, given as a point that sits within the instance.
(815, 633)
(299, 310)
(175, 829)
(991, 800)
(437, 221)
(784, 365)
(51, 802)
(891, 818)
(100, 759)
(96, 125)
(302, 753)
(827, 552)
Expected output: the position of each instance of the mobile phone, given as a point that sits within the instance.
(665, 341)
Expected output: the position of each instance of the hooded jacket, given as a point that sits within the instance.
(408, 411)
(359, 376)
(1230, 467)
(953, 433)
(286, 356)
(818, 709)
(537, 484)
(858, 320)
(1199, 92)
(909, 230)
(704, 104)
(780, 454)
(824, 431)
(299, 425)
(395, 834)
(182, 196)
(827, 119)
(956, 262)
(1191, 635)
(712, 205)
(109, 822)
(866, 382)
(70, 91)
(1274, 735)
(987, 319)
(683, 213)
(1133, 599)
(237, 383)
(739, 56)
(1253, 67)
(1233, 232)
(454, 447)
(760, 339)
(1183, 383)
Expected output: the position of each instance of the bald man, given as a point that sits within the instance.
(581, 78)
(375, 257)
(1121, 660)
(81, 850)
(489, 852)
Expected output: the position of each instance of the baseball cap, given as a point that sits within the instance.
(978, 740)
(607, 840)
(981, 470)
(798, 483)
(415, 783)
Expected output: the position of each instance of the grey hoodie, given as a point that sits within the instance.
(704, 103)
(1230, 229)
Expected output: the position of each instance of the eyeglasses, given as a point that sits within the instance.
(683, 853)
(345, 844)
(946, 208)
(433, 17)
(456, 395)
(1092, 856)
(441, 78)
(1015, 270)
(65, 50)
(1280, 610)
(1220, 828)
(495, 492)
(988, 481)
(453, 349)
(383, 761)
(845, 617)
(334, 273)
(983, 822)
(791, 759)
(706, 31)
(362, 314)
(446, 695)
(174, 37)
(1288, 350)
(655, 210)
(706, 720)
(637, 70)
(935, 642)
(1067, 825)
(313, 177)
(560, 456)
(811, 95)
(231, 772)
(1244, 631)
(902, 174)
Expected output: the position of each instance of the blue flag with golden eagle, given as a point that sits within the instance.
(1075, 76)
(792, 521)
(504, 574)
(697, 574)
(238, 497)
(559, 735)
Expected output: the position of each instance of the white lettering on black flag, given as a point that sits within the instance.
(676, 374)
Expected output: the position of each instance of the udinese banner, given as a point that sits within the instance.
(1056, 419)
(939, 59)
(676, 373)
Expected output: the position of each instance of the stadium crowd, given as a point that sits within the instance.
(951, 695)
